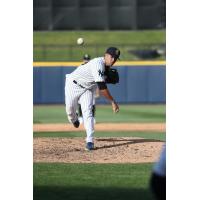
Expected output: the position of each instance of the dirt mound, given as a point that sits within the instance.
(107, 150)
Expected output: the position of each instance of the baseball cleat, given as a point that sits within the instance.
(89, 146)
(76, 124)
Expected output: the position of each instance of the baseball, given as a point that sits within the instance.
(80, 41)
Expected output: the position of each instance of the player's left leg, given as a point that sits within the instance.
(93, 113)
(93, 106)
(86, 101)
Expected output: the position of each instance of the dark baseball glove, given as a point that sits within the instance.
(112, 76)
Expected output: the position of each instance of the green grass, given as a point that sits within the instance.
(53, 181)
(146, 135)
(91, 181)
(128, 113)
(66, 49)
(97, 37)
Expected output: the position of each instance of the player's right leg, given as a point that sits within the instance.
(71, 114)
(72, 93)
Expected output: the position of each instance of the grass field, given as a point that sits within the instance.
(147, 135)
(61, 45)
(96, 181)
(92, 181)
(128, 113)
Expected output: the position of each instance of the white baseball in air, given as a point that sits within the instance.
(80, 41)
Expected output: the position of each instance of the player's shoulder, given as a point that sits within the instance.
(97, 61)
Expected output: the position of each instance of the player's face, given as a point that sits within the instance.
(109, 60)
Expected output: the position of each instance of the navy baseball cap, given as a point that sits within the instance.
(86, 57)
(114, 52)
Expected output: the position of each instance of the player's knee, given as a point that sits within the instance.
(87, 113)
(71, 112)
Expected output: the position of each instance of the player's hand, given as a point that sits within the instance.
(115, 107)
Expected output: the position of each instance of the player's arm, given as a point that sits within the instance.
(105, 92)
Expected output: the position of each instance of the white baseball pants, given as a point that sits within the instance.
(73, 94)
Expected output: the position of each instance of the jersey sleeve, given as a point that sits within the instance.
(98, 69)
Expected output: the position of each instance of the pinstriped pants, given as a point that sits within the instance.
(73, 94)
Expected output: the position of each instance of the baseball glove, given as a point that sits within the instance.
(112, 76)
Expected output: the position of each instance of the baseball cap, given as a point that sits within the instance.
(114, 52)
(86, 57)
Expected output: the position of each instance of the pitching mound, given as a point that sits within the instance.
(107, 150)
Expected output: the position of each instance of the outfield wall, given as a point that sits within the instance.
(138, 84)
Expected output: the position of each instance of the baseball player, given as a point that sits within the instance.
(158, 177)
(79, 86)
(86, 59)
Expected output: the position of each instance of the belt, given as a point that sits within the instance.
(78, 84)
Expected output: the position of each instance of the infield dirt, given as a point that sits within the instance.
(157, 127)
(107, 150)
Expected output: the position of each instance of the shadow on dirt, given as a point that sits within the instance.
(123, 142)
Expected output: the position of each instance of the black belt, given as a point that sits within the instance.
(78, 84)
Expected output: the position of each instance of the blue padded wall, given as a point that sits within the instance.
(138, 84)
